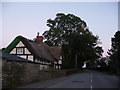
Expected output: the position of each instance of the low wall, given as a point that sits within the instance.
(21, 73)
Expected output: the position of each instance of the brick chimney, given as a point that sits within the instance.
(38, 39)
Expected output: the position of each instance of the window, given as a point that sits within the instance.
(19, 50)
(30, 57)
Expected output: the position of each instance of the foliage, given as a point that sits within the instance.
(114, 53)
(61, 27)
(77, 42)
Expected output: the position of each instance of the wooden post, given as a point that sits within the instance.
(26, 56)
(34, 58)
(57, 64)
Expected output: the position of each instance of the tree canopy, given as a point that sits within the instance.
(114, 53)
(77, 42)
(62, 27)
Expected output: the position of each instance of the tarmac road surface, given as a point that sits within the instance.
(88, 79)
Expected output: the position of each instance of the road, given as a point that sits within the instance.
(87, 79)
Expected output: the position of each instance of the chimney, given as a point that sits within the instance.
(38, 39)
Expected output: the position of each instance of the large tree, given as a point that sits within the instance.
(114, 53)
(77, 42)
(63, 26)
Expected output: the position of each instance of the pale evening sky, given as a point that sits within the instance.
(28, 18)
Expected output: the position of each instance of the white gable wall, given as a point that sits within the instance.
(26, 51)
(20, 44)
(22, 51)
(13, 51)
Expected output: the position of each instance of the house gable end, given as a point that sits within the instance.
(20, 48)
(12, 44)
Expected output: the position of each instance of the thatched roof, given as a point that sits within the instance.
(41, 50)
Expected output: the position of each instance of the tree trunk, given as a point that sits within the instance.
(76, 61)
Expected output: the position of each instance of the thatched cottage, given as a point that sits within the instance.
(35, 50)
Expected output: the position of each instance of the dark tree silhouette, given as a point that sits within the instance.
(114, 53)
(77, 42)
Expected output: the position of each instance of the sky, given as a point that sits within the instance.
(28, 18)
